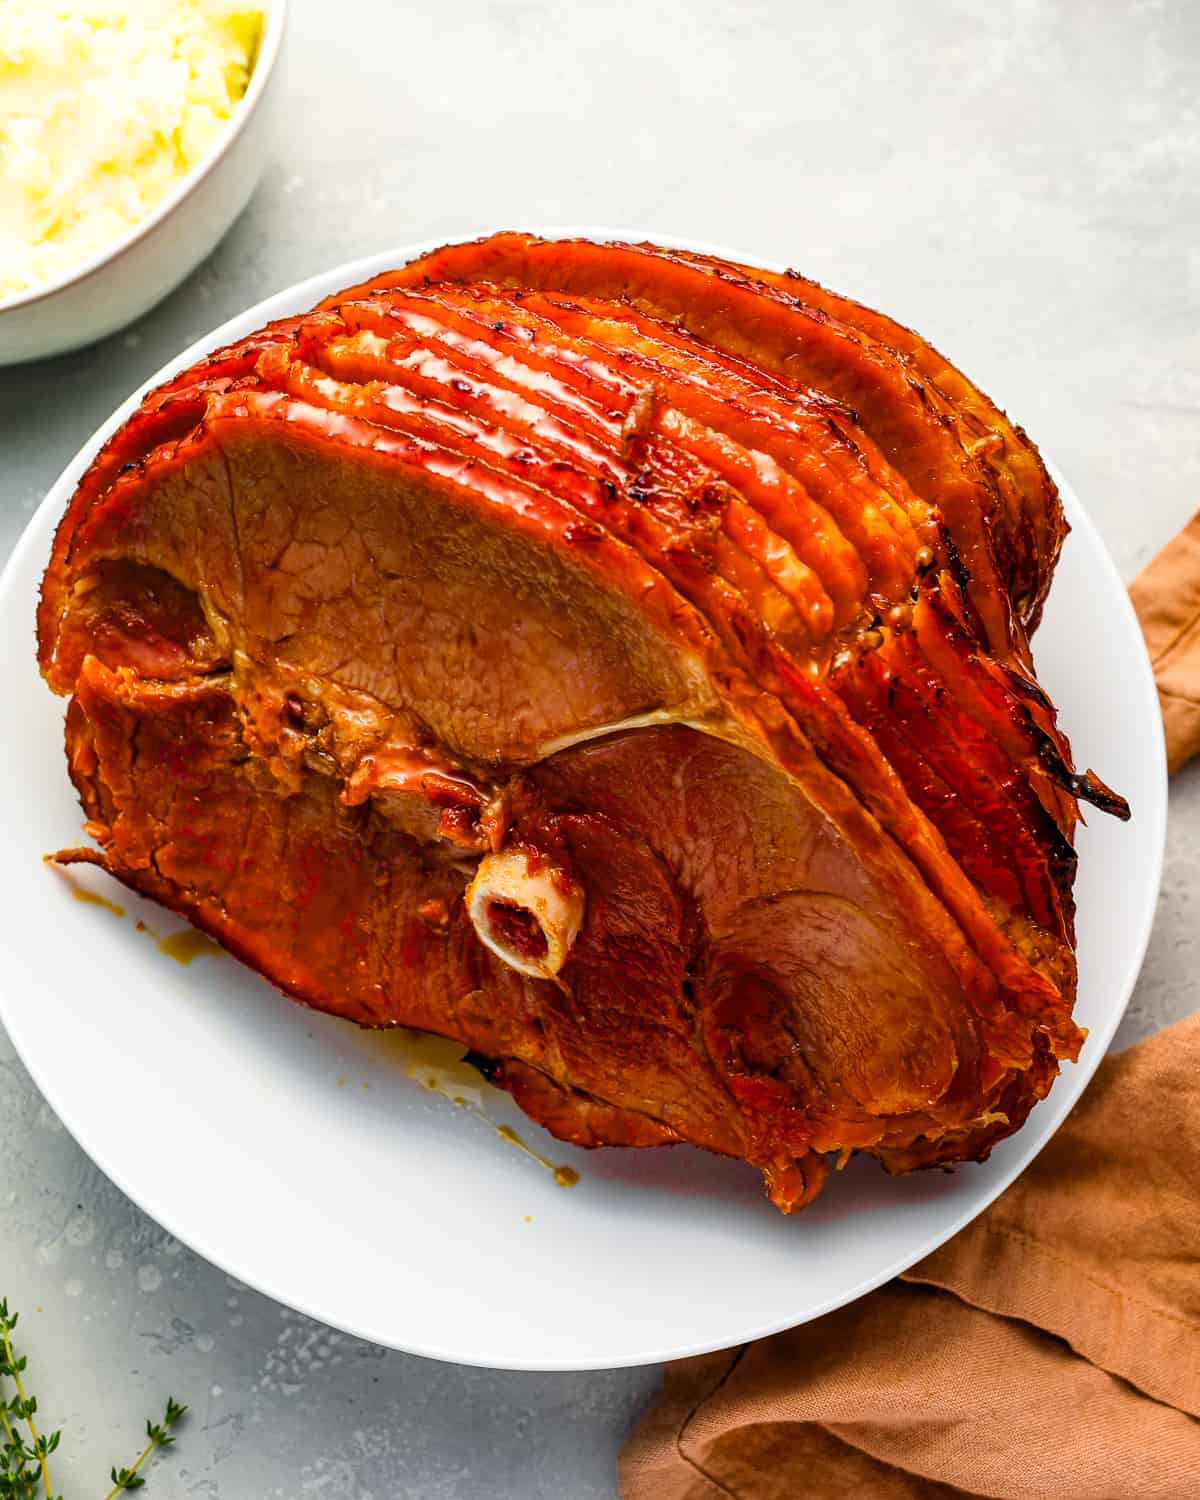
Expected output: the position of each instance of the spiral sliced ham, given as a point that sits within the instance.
(615, 659)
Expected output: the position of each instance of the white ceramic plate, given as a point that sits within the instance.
(300, 1155)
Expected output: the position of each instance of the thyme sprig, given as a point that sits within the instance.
(159, 1436)
(24, 1459)
(24, 1451)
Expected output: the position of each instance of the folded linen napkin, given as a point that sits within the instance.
(1166, 595)
(1052, 1348)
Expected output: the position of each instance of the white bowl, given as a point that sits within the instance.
(112, 288)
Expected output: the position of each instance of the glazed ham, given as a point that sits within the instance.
(612, 658)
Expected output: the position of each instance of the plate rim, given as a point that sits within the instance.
(302, 294)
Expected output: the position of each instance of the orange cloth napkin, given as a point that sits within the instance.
(1166, 595)
(1051, 1350)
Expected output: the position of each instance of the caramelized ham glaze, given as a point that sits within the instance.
(615, 659)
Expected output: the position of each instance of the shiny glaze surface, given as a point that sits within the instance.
(828, 880)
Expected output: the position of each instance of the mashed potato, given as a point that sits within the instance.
(103, 108)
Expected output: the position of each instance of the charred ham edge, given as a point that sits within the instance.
(652, 415)
(1004, 447)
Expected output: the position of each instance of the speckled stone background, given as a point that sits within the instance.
(1021, 182)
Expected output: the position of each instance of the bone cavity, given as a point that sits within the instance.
(526, 911)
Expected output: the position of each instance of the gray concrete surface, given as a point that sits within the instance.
(1021, 182)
